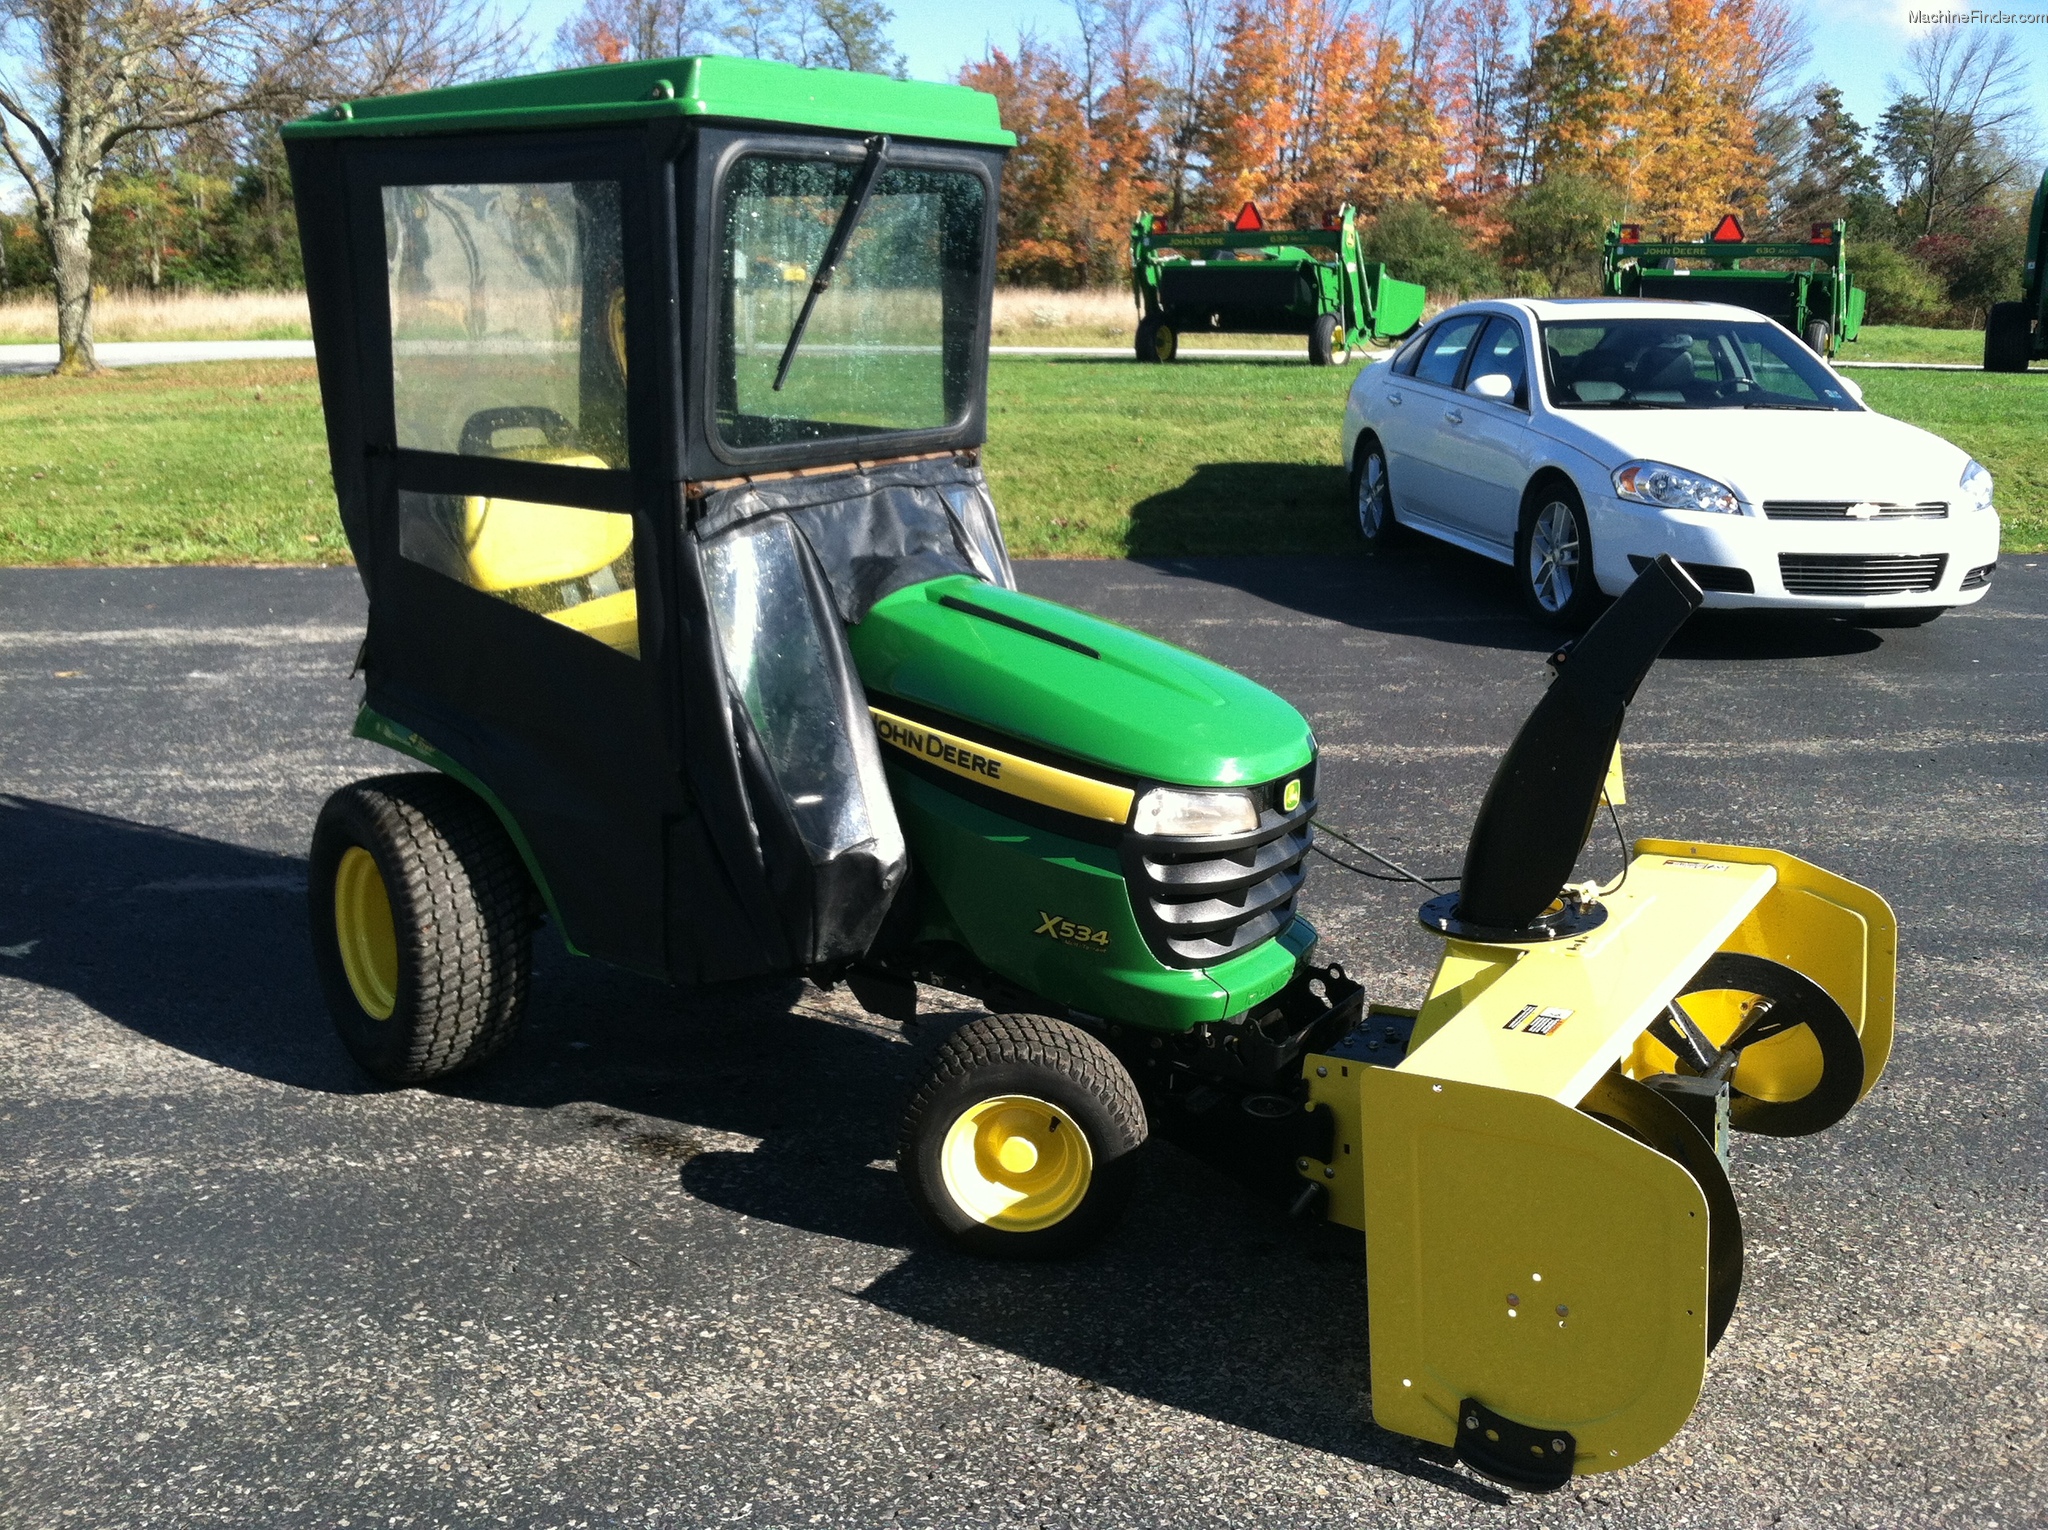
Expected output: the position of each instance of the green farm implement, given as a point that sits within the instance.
(1249, 279)
(1811, 294)
(2017, 333)
(655, 398)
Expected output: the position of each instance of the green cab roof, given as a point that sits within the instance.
(738, 89)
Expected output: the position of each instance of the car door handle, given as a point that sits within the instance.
(1393, 398)
(1453, 417)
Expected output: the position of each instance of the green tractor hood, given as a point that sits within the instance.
(1074, 685)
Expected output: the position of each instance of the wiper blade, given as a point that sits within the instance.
(842, 231)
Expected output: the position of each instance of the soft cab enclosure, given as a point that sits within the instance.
(608, 580)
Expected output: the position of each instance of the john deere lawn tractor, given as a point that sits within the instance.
(1809, 291)
(655, 396)
(1249, 279)
(2016, 333)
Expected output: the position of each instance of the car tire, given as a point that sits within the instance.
(1377, 527)
(1157, 341)
(1326, 347)
(422, 917)
(1554, 558)
(1913, 616)
(1818, 335)
(2007, 343)
(1049, 1094)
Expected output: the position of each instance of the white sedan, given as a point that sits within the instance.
(1575, 440)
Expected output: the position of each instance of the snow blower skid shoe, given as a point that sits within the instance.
(1540, 1168)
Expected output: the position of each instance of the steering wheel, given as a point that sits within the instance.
(480, 430)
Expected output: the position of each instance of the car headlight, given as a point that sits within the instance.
(1976, 486)
(1659, 483)
(1163, 810)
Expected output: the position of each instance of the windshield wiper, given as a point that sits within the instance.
(842, 231)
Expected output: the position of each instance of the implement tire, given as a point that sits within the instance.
(1157, 341)
(1326, 347)
(1818, 334)
(422, 918)
(2007, 343)
(1021, 1141)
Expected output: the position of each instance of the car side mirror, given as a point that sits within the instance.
(1853, 388)
(1494, 386)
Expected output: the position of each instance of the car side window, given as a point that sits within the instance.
(1404, 362)
(1501, 353)
(1445, 352)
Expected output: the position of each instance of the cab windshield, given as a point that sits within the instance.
(889, 346)
(1684, 363)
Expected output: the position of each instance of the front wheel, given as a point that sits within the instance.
(1157, 340)
(422, 919)
(1374, 499)
(1326, 343)
(1554, 560)
(1022, 1140)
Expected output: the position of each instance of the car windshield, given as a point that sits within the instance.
(1684, 363)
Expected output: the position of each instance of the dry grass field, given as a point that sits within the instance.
(167, 316)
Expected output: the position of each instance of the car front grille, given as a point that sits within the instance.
(1838, 510)
(1877, 574)
(1200, 902)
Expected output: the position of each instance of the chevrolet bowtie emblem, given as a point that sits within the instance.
(1864, 511)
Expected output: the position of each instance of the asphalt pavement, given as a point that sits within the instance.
(650, 1266)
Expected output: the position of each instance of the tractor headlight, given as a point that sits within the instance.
(1192, 815)
(1659, 483)
(1976, 486)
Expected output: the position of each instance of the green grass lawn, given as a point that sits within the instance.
(226, 462)
(1906, 342)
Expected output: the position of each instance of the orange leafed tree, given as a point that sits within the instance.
(1317, 109)
(1692, 152)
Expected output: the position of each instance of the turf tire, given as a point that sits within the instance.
(463, 912)
(1818, 334)
(1045, 1059)
(2007, 343)
(1157, 341)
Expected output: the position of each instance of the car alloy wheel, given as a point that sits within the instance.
(1554, 551)
(1372, 498)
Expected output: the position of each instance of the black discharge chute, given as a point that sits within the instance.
(1539, 809)
(788, 565)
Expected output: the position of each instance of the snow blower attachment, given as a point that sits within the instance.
(655, 396)
(1539, 1157)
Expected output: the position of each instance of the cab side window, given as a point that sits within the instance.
(1502, 353)
(1445, 352)
(508, 320)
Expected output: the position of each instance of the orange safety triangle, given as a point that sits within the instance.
(1248, 220)
(1727, 231)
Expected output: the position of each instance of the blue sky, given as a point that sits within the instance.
(1856, 43)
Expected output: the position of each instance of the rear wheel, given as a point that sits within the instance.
(1374, 498)
(1554, 559)
(1021, 1142)
(1157, 340)
(1326, 344)
(2006, 338)
(422, 920)
(1817, 336)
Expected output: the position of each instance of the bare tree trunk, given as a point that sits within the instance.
(70, 234)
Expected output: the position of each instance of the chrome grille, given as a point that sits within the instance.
(1877, 574)
(1200, 902)
(1838, 510)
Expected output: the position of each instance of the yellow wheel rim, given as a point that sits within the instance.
(1016, 1163)
(363, 929)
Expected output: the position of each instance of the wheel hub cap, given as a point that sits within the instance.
(363, 929)
(1554, 557)
(1016, 1163)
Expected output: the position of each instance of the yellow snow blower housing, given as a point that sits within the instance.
(1538, 1157)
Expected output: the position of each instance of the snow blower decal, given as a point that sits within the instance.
(1047, 785)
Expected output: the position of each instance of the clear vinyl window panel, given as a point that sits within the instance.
(889, 344)
(770, 633)
(566, 565)
(508, 320)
